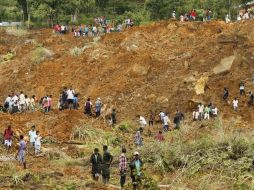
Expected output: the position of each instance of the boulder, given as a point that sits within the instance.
(151, 97)
(201, 84)
(162, 100)
(225, 65)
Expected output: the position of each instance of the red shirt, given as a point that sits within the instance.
(8, 134)
(159, 137)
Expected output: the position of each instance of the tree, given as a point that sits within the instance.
(74, 7)
(23, 5)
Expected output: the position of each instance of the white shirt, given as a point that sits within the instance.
(37, 140)
(22, 99)
(32, 135)
(8, 99)
(142, 120)
(235, 103)
(28, 101)
(14, 100)
(70, 94)
(166, 120)
(215, 111)
(32, 101)
(201, 108)
(196, 115)
(162, 115)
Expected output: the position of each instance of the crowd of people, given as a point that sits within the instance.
(235, 101)
(34, 139)
(101, 25)
(193, 15)
(20, 102)
(244, 14)
(101, 165)
(204, 112)
(163, 119)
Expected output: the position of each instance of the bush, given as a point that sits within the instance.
(16, 31)
(239, 148)
(76, 51)
(40, 54)
(124, 127)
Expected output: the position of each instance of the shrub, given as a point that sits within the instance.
(76, 51)
(40, 54)
(16, 32)
(239, 148)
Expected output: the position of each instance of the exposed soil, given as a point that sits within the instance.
(146, 68)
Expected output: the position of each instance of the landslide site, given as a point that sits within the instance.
(164, 66)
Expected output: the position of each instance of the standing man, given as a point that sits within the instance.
(70, 97)
(178, 118)
(123, 167)
(8, 135)
(98, 105)
(22, 101)
(250, 102)
(225, 94)
(96, 161)
(136, 168)
(241, 87)
(142, 122)
(88, 107)
(32, 136)
(235, 104)
(166, 122)
(106, 163)
(151, 119)
(113, 117)
(161, 114)
(21, 151)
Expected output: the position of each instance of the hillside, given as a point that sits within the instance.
(156, 67)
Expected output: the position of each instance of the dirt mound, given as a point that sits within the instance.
(165, 66)
(124, 68)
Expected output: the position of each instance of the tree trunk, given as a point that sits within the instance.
(23, 5)
(75, 16)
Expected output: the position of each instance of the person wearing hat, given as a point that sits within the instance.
(96, 161)
(106, 163)
(98, 105)
(136, 170)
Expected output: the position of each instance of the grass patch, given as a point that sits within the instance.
(16, 32)
(40, 54)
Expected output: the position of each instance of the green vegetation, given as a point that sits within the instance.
(43, 12)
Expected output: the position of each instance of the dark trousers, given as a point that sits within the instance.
(150, 123)
(136, 181)
(122, 178)
(225, 96)
(98, 113)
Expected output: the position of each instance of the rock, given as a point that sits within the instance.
(225, 65)
(189, 79)
(140, 69)
(162, 100)
(186, 64)
(142, 65)
(171, 26)
(151, 96)
(201, 84)
(96, 39)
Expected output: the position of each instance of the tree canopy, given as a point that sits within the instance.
(78, 10)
